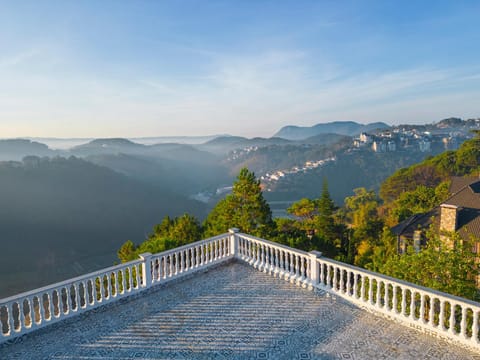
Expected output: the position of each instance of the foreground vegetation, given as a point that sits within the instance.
(356, 233)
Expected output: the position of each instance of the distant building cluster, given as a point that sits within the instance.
(309, 165)
(401, 139)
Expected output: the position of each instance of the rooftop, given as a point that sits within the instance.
(236, 296)
(230, 311)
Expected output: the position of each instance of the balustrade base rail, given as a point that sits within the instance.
(435, 313)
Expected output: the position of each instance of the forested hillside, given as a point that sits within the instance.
(434, 170)
(62, 217)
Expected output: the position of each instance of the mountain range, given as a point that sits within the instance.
(66, 209)
(349, 128)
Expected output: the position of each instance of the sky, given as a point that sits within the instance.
(247, 67)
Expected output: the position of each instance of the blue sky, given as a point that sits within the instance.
(159, 68)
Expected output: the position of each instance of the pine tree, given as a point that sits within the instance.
(245, 208)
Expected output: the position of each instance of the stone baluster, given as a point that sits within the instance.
(266, 258)
(302, 268)
(30, 312)
(22, 322)
(279, 265)
(348, 287)
(355, 285)
(297, 266)
(451, 328)
(463, 324)
(11, 328)
(109, 286)
(441, 317)
(287, 264)
(197, 253)
(85, 294)
(50, 306)
(327, 280)
(335, 278)
(260, 255)
(341, 287)
(431, 314)
(181, 266)
(163, 266)
(412, 305)
(379, 293)
(254, 250)
(404, 301)
(202, 254)
(68, 300)
(282, 263)
(273, 261)
(321, 274)
(370, 291)
(421, 316)
(386, 297)
(74, 296)
(240, 247)
(41, 304)
(394, 299)
(170, 258)
(176, 260)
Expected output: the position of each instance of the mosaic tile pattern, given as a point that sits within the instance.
(230, 312)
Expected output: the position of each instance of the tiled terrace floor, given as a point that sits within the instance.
(230, 312)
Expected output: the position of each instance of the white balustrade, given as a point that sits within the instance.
(433, 312)
(425, 309)
(31, 310)
(293, 263)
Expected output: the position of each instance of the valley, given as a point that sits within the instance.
(66, 211)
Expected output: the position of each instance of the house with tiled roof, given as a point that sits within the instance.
(459, 213)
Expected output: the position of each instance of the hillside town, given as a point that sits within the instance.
(445, 135)
(274, 176)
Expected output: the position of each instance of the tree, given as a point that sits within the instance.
(438, 266)
(185, 230)
(245, 208)
(170, 233)
(127, 252)
(325, 224)
(419, 200)
(361, 212)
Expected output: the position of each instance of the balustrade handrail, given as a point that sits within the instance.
(274, 244)
(70, 281)
(407, 284)
(104, 271)
(357, 269)
(191, 245)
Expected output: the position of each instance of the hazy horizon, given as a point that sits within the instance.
(140, 69)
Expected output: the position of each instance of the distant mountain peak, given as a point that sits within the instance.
(349, 128)
(113, 141)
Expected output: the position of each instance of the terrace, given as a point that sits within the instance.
(237, 296)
